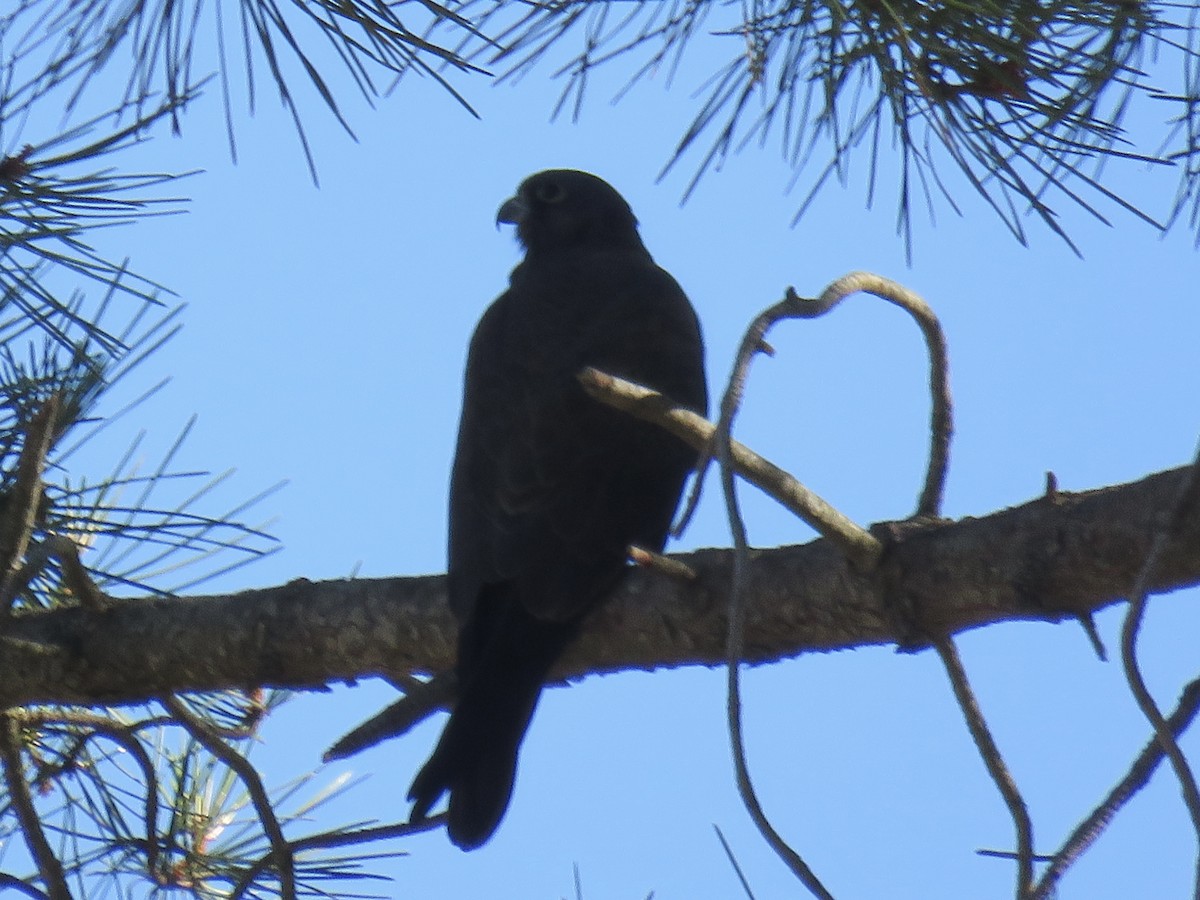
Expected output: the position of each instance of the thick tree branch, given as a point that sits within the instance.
(1056, 557)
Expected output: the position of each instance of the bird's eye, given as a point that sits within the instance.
(549, 192)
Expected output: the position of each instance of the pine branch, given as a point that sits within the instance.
(1054, 558)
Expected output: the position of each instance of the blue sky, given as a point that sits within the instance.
(324, 341)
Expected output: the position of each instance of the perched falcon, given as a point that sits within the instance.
(550, 486)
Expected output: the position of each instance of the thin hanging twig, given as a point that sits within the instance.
(1185, 508)
(733, 709)
(993, 760)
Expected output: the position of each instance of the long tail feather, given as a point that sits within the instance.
(476, 758)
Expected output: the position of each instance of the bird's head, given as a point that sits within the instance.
(565, 208)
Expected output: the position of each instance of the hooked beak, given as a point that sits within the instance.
(511, 212)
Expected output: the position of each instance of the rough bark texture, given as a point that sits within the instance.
(1055, 557)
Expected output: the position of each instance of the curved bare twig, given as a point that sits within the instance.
(719, 443)
(941, 423)
(733, 708)
(992, 759)
(1087, 831)
(793, 306)
(1185, 506)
